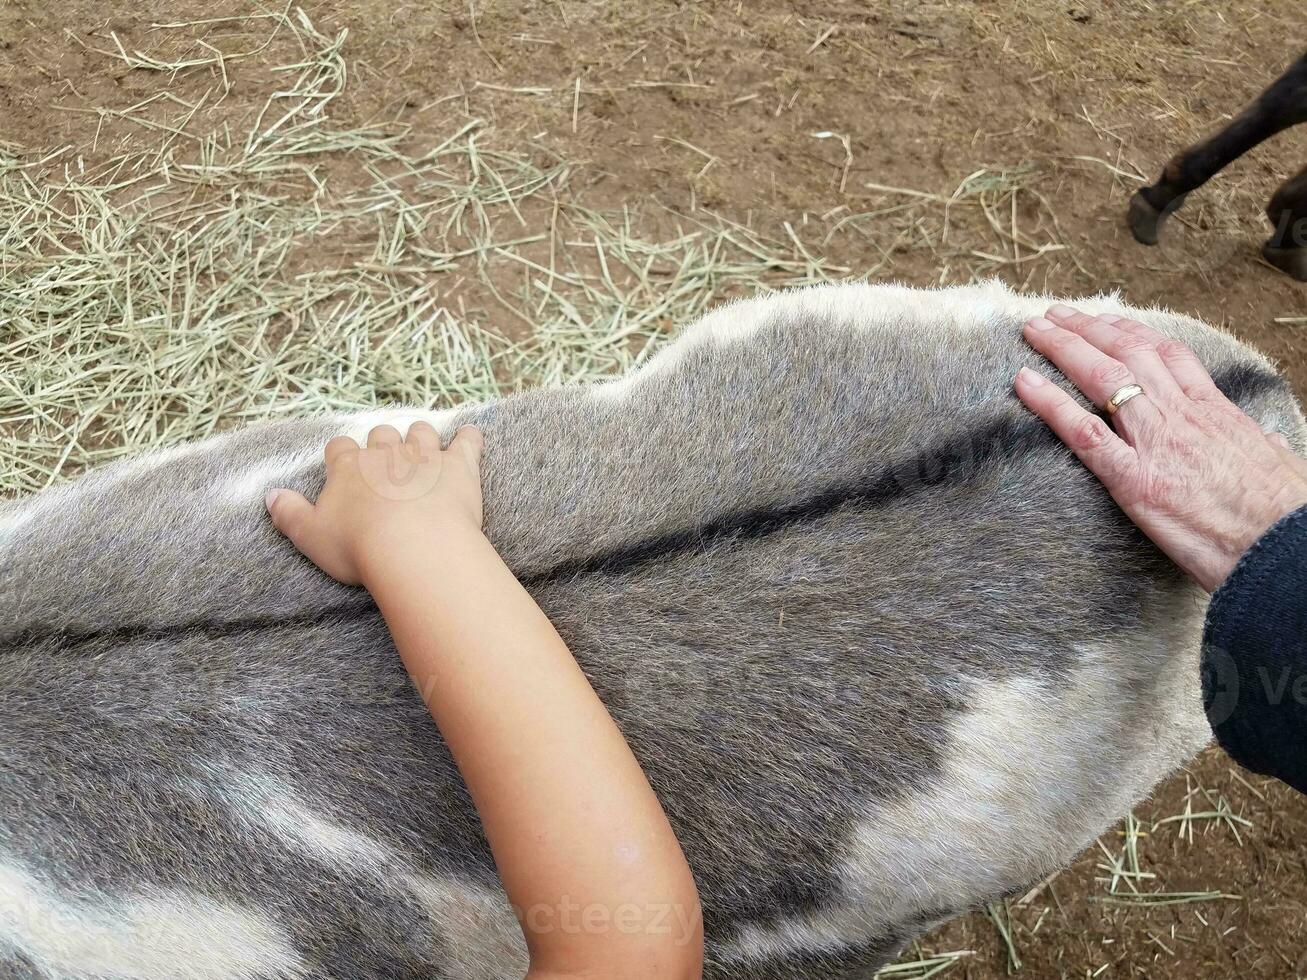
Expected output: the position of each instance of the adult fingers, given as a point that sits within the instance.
(423, 439)
(1182, 362)
(1087, 435)
(384, 435)
(1189, 371)
(1098, 376)
(1135, 352)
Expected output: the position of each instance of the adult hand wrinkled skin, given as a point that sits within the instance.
(1195, 473)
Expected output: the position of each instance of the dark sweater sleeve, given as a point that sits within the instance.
(1255, 656)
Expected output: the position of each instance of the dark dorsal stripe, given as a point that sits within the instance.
(953, 460)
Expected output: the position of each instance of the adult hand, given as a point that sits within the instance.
(1197, 475)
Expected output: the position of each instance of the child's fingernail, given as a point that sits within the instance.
(1033, 378)
(270, 498)
(1061, 311)
(1039, 323)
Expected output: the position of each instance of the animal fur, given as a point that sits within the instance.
(883, 647)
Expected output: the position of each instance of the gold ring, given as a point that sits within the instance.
(1121, 396)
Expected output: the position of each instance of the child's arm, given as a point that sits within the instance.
(583, 848)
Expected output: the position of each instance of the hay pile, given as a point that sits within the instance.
(293, 265)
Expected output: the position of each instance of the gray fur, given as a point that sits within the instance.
(884, 649)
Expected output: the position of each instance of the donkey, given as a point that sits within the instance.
(883, 647)
(1282, 105)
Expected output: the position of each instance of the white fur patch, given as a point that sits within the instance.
(253, 482)
(127, 469)
(162, 935)
(862, 305)
(1032, 775)
(358, 426)
(481, 938)
(323, 839)
(15, 517)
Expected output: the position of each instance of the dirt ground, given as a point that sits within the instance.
(772, 112)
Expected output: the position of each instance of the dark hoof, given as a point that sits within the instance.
(1292, 261)
(1145, 220)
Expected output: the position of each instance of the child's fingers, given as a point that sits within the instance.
(468, 441)
(292, 515)
(338, 447)
(423, 439)
(384, 435)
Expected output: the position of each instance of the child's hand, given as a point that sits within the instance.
(404, 520)
(380, 500)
